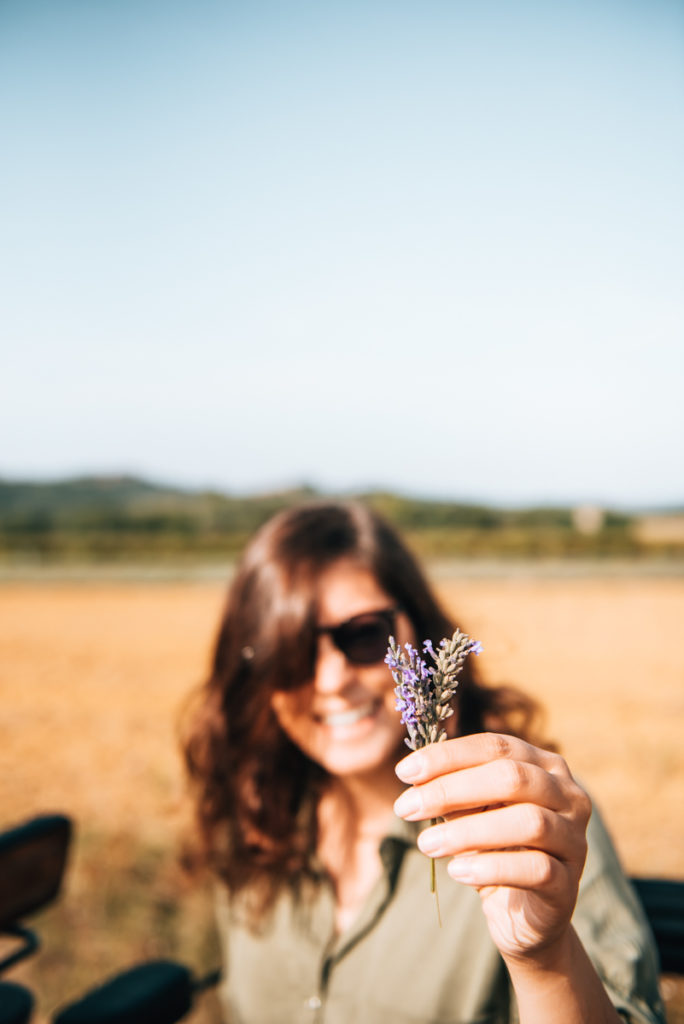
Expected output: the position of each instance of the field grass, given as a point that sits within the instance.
(92, 677)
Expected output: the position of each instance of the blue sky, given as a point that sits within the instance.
(433, 246)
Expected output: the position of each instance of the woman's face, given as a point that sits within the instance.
(344, 717)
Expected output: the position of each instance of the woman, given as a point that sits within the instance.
(297, 754)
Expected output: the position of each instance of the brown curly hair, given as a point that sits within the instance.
(256, 793)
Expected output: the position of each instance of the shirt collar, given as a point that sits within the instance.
(399, 836)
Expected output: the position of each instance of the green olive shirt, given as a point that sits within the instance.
(395, 965)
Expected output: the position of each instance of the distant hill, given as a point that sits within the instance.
(107, 517)
(127, 502)
(61, 499)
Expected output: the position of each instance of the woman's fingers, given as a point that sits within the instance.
(513, 826)
(497, 782)
(523, 869)
(512, 815)
(469, 751)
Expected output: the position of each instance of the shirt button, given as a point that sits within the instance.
(313, 1003)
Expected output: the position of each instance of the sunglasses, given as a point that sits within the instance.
(364, 639)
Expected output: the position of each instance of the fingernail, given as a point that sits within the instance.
(410, 768)
(408, 804)
(430, 841)
(461, 869)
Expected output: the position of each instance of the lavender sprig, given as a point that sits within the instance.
(425, 695)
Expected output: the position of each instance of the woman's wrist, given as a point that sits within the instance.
(555, 956)
(558, 982)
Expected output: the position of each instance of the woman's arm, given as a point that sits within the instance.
(515, 828)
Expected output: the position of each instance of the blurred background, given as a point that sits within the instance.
(429, 254)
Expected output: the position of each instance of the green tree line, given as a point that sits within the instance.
(101, 518)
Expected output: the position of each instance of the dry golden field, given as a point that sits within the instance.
(92, 676)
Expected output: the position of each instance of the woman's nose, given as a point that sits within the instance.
(333, 671)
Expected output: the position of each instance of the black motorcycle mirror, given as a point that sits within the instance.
(32, 861)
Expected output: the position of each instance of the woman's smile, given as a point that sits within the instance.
(341, 721)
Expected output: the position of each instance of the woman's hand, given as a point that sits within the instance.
(515, 831)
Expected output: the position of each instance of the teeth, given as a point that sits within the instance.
(350, 717)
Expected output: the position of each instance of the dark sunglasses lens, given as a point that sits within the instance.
(364, 640)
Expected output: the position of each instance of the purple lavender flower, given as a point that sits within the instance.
(424, 695)
(413, 679)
